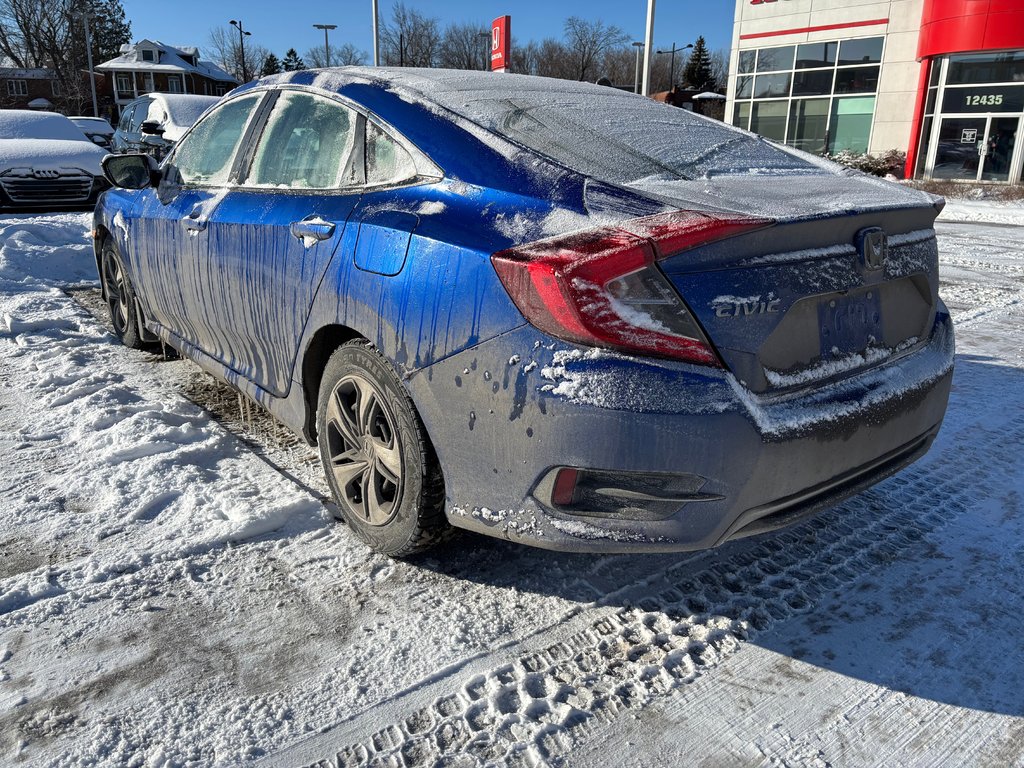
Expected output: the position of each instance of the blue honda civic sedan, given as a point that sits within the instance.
(548, 311)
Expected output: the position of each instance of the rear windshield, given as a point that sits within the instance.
(613, 135)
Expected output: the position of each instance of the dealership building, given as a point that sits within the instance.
(942, 80)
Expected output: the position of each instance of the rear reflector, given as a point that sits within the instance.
(601, 287)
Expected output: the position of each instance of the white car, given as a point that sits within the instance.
(47, 162)
(96, 129)
(171, 114)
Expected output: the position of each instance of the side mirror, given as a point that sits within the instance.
(131, 171)
(152, 128)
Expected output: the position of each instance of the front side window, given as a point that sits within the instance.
(126, 118)
(307, 144)
(205, 155)
(140, 115)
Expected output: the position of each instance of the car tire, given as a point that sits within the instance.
(119, 297)
(379, 463)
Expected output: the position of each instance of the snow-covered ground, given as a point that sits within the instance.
(173, 591)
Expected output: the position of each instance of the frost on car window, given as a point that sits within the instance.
(205, 155)
(605, 133)
(306, 144)
(387, 162)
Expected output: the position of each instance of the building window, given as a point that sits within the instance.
(147, 82)
(815, 96)
(148, 55)
(17, 88)
(124, 85)
(55, 88)
(221, 90)
(173, 84)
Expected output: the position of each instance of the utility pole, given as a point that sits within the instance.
(636, 76)
(648, 46)
(242, 34)
(376, 37)
(487, 49)
(327, 47)
(88, 53)
(672, 66)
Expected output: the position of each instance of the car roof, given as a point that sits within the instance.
(29, 124)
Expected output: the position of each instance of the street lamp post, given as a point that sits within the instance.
(672, 66)
(487, 49)
(242, 34)
(327, 47)
(88, 53)
(636, 76)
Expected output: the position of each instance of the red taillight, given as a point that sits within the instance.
(601, 287)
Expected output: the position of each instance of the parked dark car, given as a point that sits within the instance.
(96, 129)
(541, 310)
(46, 162)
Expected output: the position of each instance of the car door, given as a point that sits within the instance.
(119, 142)
(272, 237)
(170, 250)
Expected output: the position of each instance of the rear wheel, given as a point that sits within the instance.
(379, 463)
(120, 297)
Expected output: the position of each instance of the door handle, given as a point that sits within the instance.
(193, 223)
(312, 229)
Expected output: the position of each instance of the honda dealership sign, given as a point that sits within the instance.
(501, 43)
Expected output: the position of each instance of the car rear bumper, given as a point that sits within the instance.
(504, 415)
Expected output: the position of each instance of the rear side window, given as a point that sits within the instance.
(307, 144)
(387, 162)
(205, 155)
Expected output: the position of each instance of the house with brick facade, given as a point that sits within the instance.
(151, 66)
(22, 88)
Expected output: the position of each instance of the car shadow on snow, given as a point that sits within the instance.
(913, 585)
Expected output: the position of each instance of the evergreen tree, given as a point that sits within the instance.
(697, 73)
(292, 61)
(271, 65)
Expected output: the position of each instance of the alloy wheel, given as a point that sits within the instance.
(364, 450)
(117, 295)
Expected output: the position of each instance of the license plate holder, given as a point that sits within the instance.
(849, 323)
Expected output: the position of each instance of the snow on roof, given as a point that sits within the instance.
(176, 112)
(40, 103)
(15, 73)
(171, 59)
(709, 95)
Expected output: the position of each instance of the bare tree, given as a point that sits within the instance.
(49, 34)
(587, 41)
(720, 66)
(225, 50)
(410, 40)
(341, 56)
(554, 59)
(619, 66)
(524, 59)
(465, 46)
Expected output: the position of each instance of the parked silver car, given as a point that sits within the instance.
(96, 129)
(46, 161)
(167, 116)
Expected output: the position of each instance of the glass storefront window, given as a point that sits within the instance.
(808, 125)
(811, 55)
(747, 59)
(929, 105)
(774, 59)
(771, 86)
(768, 118)
(1007, 67)
(851, 123)
(744, 87)
(863, 51)
(857, 80)
(741, 116)
(815, 83)
(922, 152)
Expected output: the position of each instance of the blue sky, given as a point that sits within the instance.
(284, 24)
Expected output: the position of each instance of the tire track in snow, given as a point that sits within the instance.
(683, 623)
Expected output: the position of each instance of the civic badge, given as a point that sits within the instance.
(873, 247)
